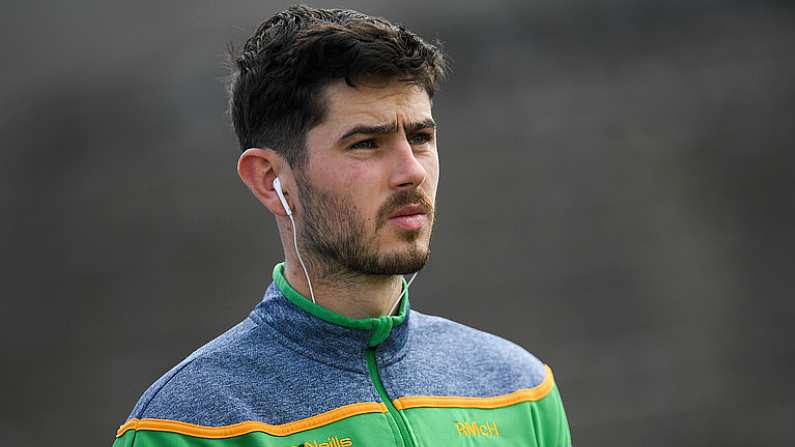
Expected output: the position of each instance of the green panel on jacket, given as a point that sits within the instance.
(360, 430)
(540, 423)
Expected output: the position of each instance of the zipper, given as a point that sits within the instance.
(372, 368)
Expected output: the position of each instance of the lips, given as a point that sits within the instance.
(409, 210)
(410, 218)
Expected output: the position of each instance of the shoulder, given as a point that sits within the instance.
(484, 363)
(464, 342)
(201, 388)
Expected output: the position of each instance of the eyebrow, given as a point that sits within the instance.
(382, 129)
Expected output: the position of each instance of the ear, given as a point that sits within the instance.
(258, 168)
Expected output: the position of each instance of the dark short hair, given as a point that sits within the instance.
(278, 77)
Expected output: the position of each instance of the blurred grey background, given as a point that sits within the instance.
(615, 196)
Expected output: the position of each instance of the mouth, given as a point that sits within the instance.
(410, 218)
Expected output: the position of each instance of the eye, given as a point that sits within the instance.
(421, 138)
(364, 144)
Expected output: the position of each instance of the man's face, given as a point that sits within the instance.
(367, 192)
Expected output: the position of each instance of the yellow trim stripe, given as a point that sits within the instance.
(242, 428)
(538, 392)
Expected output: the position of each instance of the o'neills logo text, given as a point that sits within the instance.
(469, 429)
(331, 441)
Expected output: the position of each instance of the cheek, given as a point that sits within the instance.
(360, 184)
(431, 165)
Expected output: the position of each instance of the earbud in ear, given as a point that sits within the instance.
(277, 185)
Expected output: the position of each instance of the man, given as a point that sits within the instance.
(333, 112)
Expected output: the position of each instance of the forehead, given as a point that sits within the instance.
(374, 104)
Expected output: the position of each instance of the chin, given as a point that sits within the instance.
(403, 253)
(404, 262)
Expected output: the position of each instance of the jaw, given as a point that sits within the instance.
(400, 243)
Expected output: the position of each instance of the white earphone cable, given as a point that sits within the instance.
(303, 266)
(394, 306)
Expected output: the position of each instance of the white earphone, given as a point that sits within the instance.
(277, 185)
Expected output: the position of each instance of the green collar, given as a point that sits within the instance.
(379, 327)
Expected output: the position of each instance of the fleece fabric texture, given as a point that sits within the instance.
(283, 363)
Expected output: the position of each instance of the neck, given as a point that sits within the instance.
(350, 294)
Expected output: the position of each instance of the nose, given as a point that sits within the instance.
(407, 171)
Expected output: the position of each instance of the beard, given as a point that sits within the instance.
(336, 242)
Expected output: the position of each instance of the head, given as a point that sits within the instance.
(337, 104)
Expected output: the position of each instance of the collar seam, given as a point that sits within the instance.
(368, 325)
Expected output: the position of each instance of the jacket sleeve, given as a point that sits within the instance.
(551, 422)
(126, 439)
